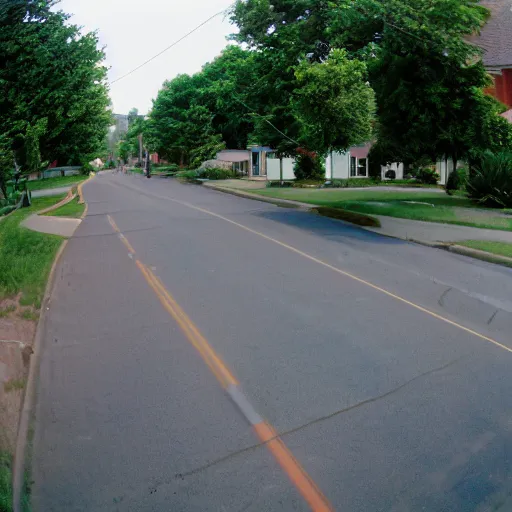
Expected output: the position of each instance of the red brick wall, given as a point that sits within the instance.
(502, 89)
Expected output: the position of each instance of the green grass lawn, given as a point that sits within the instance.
(64, 181)
(500, 248)
(26, 256)
(425, 205)
(5, 483)
(73, 209)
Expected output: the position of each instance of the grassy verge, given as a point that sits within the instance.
(64, 181)
(499, 248)
(5, 483)
(73, 209)
(26, 256)
(425, 205)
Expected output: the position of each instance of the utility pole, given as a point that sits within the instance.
(140, 148)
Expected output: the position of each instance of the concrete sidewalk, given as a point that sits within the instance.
(52, 191)
(52, 225)
(421, 231)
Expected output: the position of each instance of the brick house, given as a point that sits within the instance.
(496, 42)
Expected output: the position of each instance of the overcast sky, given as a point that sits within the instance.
(135, 30)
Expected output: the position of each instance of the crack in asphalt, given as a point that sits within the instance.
(285, 433)
(443, 296)
(493, 316)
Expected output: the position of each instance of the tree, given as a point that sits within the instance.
(50, 71)
(425, 74)
(334, 103)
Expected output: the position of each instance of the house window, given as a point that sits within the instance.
(362, 167)
(353, 164)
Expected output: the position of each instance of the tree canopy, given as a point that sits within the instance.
(319, 75)
(52, 86)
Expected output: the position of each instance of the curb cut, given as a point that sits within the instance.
(18, 472)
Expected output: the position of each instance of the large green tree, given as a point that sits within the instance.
(51, 75)
(334, 103)
(425, 74)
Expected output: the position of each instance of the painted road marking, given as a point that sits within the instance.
(267, 435)
(342, 272)
(296, 473)
(131, 250)
(244, 405)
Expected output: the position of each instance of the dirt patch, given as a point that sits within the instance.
(17, 323)
(17, 329)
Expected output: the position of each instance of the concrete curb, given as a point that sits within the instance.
(247, 195)
(480, 255)
(66, 200)
(18, 473)
(81, 195)
(457, 249)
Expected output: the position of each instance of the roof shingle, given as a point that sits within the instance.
(496, 36)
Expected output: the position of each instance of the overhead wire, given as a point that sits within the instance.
(195, 29)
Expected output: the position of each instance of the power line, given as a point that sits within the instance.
(170, 46)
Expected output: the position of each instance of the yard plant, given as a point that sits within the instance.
(490, 182)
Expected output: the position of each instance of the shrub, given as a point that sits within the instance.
(216, 174)
(189, 175)
(86, 169)
(456, 181)
(391, 175)
(427, 176)
(285, 184)
(490, 183)
(354, 183)
(309, 168)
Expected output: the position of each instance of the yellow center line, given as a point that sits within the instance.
(296, 473)
(267, 435)
(218, 367)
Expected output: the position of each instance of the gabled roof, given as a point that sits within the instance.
(496, 36)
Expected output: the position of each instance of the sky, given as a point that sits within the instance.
(135, 30)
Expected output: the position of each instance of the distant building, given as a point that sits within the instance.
(121, 123)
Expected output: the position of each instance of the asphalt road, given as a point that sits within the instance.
(384, 366)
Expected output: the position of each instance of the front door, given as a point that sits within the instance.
(255, 164)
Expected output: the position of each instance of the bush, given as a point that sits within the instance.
(456, 181)
(390, 175)
(189, 175)
(86, 169)
(354, 183)
(490, 183)
(285, 184)
(309, 168)
(171, 168)
(427, 176)
(216, 174)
